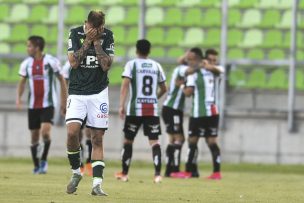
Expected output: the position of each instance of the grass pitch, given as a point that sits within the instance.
(241, 183)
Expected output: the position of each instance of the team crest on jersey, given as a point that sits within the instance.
(81, 41)
(132, 127)
(154, 128)
(202, 131)
(146, 65)
(104, 108)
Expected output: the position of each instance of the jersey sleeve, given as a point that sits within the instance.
(182, 71)
(65, 71)
(55, 65)
(190, 80)
(22, 69)
(72, 42)
(127, 71)
(161, 74)
(109, 44)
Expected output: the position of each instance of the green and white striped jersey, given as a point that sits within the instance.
(145, 75)
(176, 98)
(203, 101)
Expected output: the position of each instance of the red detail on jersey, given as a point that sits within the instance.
(214, 110)
(38, 82)
(147, 109)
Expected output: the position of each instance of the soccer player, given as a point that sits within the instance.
(90, 54)
(142, 76)
(39, 69)
(88, 166)
(204, 119)
(172, 114)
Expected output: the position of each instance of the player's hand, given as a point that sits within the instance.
(91, 34)
(99, 33)
(18, 104)
(179, 82)
(122, 113)
(205, 64)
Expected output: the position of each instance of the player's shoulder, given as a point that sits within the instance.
(107, 33)
(77, 31)
(27, 60)
(50, 58)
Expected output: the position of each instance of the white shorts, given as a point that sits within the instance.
(95, 107)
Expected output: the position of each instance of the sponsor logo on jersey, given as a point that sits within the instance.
(146, 101)
(70, 44)
(104, 108)
(81, 33)
(111, 47)
(132, 127)
(154, 128)
(146, 65)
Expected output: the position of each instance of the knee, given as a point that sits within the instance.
(73, 133)
(128, 142)
(211, 141)
(97, 141)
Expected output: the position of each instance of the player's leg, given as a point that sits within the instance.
(212, 143)
(46, 117)
(34, 127)
(131, 126)
(88, 165)
(81, 149)
(152, 130)
(76, 111)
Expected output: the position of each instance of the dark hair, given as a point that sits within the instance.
(211, 52)
(197, 51)
(96, 18)
(143, 47)
(37, 41)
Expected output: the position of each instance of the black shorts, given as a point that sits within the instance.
(204, 126)
(38, 116)
(174, 120)
(151, 126)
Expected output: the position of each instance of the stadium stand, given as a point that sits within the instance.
(257, 30)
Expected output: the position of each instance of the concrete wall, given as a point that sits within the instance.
(256, 130)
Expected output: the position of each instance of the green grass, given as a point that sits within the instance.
(241, 183)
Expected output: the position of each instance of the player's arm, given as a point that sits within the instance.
(76, 57)
(63, 93)
(123, 96)
(103, 58)
(20, 91)
(162, 89)
(188, 91)
(213, 68)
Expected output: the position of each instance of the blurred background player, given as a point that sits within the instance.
(39, 69)
(204, 119)
(172, 113)
(90, 54)
(87, 167)
(142, 76)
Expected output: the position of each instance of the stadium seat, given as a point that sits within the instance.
(174, 36)
(4, 72)
(18, 13)
(119, 34)
(193, 17)
(155, 36)
(175, 52)
(193, 37)
(168, 3)
(52, 38)
(256, 54)
(235, 54)
(300, 55)
(41, 30)
(172, 17)
(237, 78)
(157, 52)
(284, 4)
(19, 48)
(38, 13)
(132, 52)
(117, 14)
(268, 4)
(252, 38)
(131, 17)
(53, 15)
(215, 20)
(232, 3)
(234, 17)
(5, 31)
(270, 19)
(15, 33)
(299, 79)
(50, 2)
(301, 5)
(278, 80)
(115, 74)
(276, 54)
(250, 18)
(272, 39)
(76, 15)
(150, 3)
(110, 2)
(4, 48)
(213, 37)
(129, 2)
(154, 16)
(234, 37)
(120, 51)
(209, 3)
(287, 39)
(247, 4)
(257, 79)
(188, 3)
(286, 20)
(14, 73)
(131, 36)
(4, 8)
(88, 3)
(72, 2)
